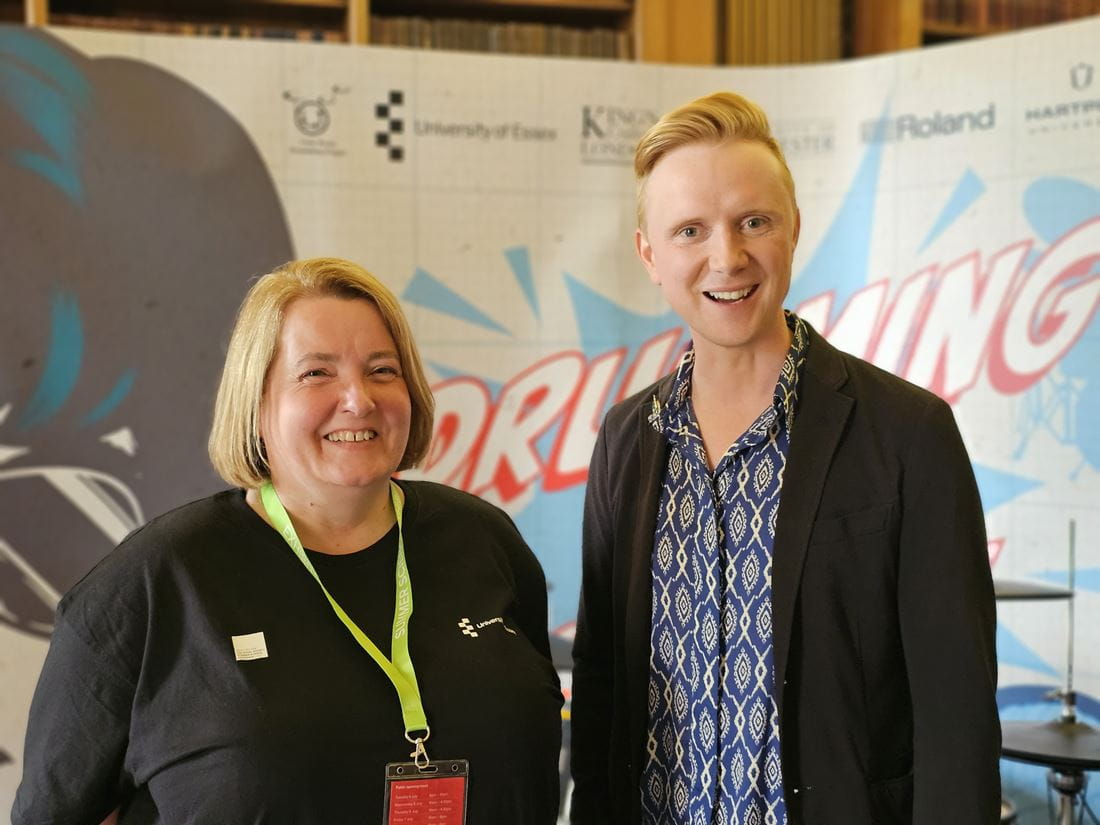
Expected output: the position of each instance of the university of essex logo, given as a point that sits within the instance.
(470, 629)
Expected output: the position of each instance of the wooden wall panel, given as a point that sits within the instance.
(886, 26)
(35, 12)
(782, 31)
(676, 31)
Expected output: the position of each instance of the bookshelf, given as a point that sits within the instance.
(908, 24)
(11, 11)
(674, 31)
(973, 18)
(596, 29)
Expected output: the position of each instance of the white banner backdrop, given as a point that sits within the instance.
(950, 232)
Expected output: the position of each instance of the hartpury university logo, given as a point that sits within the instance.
(1080, 76)
(1070, 113)
(312, 115)
(392, 126)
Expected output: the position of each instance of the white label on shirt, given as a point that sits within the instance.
(250, 646)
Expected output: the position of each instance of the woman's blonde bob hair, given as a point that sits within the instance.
(235, 448)
(714, 118)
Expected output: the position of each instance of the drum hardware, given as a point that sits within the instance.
(1067, 748)
(1008, 590)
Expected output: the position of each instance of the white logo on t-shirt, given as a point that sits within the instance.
(470, 629)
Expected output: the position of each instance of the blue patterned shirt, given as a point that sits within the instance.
(713, 743)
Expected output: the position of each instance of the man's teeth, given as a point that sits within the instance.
(736, 295)
(351, 435)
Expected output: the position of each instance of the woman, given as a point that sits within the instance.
(201, 673)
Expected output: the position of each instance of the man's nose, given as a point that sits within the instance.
(727, 250)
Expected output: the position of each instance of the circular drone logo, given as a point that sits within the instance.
(312, 117)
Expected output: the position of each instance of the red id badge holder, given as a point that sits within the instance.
(432, 795)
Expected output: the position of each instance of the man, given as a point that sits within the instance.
(786, 612)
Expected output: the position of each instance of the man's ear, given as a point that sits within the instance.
(645, 255)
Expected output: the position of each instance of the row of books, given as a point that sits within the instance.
(167, 26)
(416, 32)
(497, 36)
(1006, 14)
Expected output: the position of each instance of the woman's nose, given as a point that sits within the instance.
(358, 398)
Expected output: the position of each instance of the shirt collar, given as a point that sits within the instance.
(663, 416)
(786, 388)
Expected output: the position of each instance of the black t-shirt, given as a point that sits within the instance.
(143, 702)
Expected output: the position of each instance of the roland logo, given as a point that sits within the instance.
(922, 127)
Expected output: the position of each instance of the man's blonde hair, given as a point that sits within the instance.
(235, 447)
(714, 118)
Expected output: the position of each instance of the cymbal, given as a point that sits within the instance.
(1055, 744)
(1005, 589)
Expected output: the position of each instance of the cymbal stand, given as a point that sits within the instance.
(1069, 783)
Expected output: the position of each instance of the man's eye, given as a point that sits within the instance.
(690, 231)
(755, 222)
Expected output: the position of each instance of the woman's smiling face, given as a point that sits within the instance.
(336, 409)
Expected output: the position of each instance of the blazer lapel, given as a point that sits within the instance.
(642, 511)
(820, 416)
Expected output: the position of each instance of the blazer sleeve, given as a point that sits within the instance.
(593, 655)
(948, 630)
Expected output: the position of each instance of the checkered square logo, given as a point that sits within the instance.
(391, 126)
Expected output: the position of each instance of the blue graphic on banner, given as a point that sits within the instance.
(1011, 651)
(1084, 579)
(113, 398)
(605, 325)
(998, 487)
(428, 291)
(65, 356)
(1054, 206)
(50, 95)
(520, 262)
(66, 351)
(969, 188)
(839, 264)
(553, 521)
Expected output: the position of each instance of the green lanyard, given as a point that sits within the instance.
(400, 670)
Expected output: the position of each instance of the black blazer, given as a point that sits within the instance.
(882, 608)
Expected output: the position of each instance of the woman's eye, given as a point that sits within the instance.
(315, 373)
(690, 231)
(385, 372)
